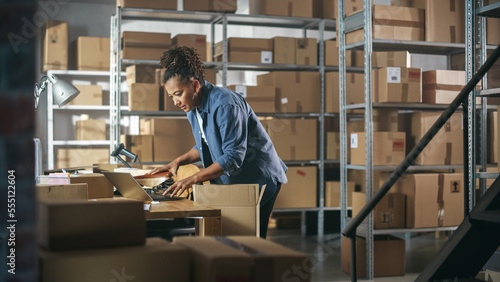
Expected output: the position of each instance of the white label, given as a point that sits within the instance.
(393, 75)
(354, 140)
(266, 57)
(242, 90)
(284, 101)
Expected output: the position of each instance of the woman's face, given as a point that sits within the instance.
(186, 96)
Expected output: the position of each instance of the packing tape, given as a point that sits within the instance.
(452, 6)
(388, 159)
(293, 153)
(290, 9)
(440, 200)
(390, 201)
(404, 92)
(390, 58)
(293, 126)
(298, 106)
(297, 77)
(306, 60)
(447, 159)
(453, 37)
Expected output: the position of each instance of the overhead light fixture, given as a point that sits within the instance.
(62, 91)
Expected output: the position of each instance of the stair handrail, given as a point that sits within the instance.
(352, 226)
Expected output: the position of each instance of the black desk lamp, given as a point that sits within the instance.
(120, 150)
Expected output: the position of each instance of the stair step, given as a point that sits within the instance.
(486, 216)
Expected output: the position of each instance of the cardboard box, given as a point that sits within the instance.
(246, 50)
(66, 158)
(332, 193)
(444, 20)
(306, 51)
(301, 189)
(239, 205)
(390, 22)
(286, 8)
(391, 59)
(388, 148)
(148, 4)
(54, 36)
(214, 261)
(333, 146)
(199, 42)
(446, 148)
(144, 45)
(61, 192)
(389, 212)
(493, 75)
(389, 257)
(492, 36)
(492, 123)
(144, 97)
(359, 177)
(140, 263)
(92, 53)
(355, 90)
(351, 57)
(397, 85)
(141, 145)
(432, 199)
(98, 186)
(172, 137)
(90, 95)
(272, 262)
(326, 9)
(442, 86)
(72, 225)
(211, 76)
(290, 89)
(260, 98)
(284, 50)
(288, 138)
(92, 129)
(141, 74)
(229, 6)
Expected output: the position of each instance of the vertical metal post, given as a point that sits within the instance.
(321, 166)
(115, 81)
(470, 106)
(368, 132)
(354, 273)
(50, 125)
(224, 55)
(343, 116)
(483, 116)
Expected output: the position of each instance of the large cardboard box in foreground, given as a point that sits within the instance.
(388, 148)
(397, 85)
(92, 53)
(446, 148)
(389, 22)
(272, 262)
(432, 199)
(389, 257)
(296, 92)
(288, 138)
(172, 137)
(139, 263)
(54, 45)
(300, 191)
(239, 205)
(389, 212)
(287, 8)
(98, 186)
(82, 224)
(81, 157)
(213, 261)
(444, 20)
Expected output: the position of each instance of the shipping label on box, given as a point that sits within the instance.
(54, 45)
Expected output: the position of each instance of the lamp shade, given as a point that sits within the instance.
(63, 92)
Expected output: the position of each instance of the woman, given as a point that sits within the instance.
(230, 141)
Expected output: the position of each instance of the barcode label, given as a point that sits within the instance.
(284, 101)
(393, 75)
(354, 140)
(242, 90)
(266, 57)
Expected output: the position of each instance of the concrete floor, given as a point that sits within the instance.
(326, 260)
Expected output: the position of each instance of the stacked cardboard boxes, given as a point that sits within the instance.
(246, 50)
(260, 98)
(442, 86)
(286, 8)
(66, 157)
(98, 186)
(144, 45)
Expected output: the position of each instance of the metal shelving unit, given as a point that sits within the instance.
(69, 75)
(224, 20)
(363, 20)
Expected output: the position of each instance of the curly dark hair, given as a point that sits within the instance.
(182, 62)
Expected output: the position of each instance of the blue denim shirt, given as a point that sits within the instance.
(237, 141)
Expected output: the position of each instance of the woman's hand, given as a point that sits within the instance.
(172, 167)
(180, 186)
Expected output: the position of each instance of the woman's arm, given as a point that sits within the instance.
(188, 158)
(209, 173)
